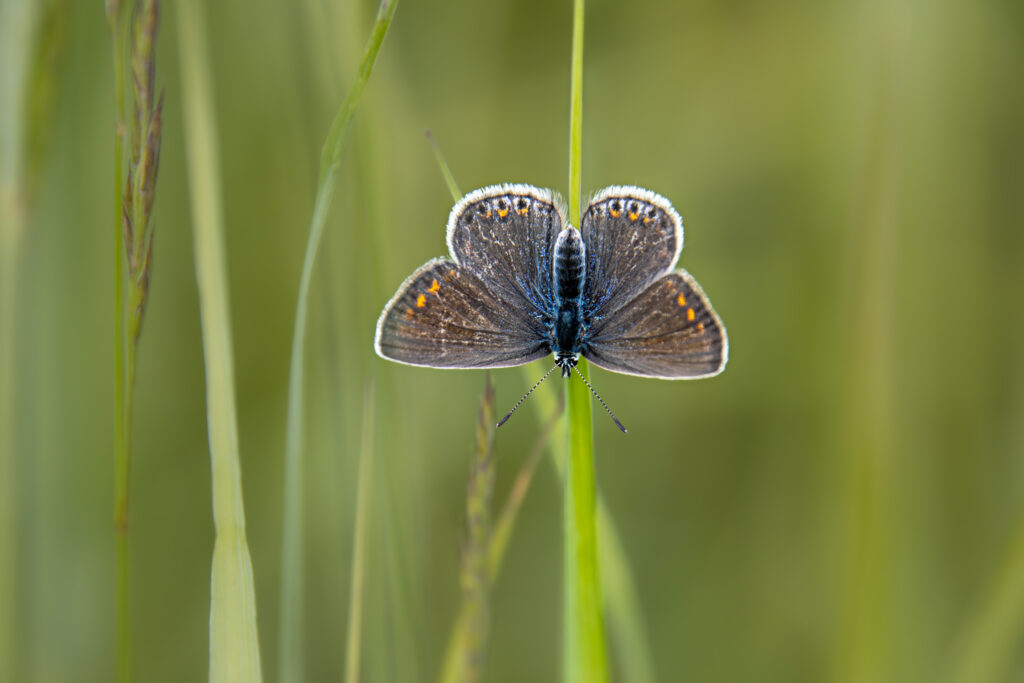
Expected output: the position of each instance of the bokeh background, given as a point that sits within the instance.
(843, 503)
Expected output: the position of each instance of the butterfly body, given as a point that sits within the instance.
(569, 270)
(523, 284)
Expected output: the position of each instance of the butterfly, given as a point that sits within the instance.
(522, 283)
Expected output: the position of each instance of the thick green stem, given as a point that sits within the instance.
(584, 658)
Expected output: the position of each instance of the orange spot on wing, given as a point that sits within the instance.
(522, 212)
(700, 327)
(421, 301)
(690, 315)
(434, 287)
(647, 219)
(408, 312)
(681, 299)
(633, 216)
(502, 213)
(614, 213)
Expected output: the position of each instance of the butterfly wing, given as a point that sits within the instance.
(444, 316)
(505, 236)
(669, 331)
(632, 236)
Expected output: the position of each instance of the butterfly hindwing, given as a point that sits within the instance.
(632, 236)
(444, 316)
(668, 331)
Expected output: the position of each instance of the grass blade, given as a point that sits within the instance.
(449, 179)
(16, 21)
(234, 642)
(362, 522)
(291, 637)
(583, 656)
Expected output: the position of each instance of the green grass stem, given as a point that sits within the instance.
(234, 641)
(583, 657)
(16, 20)
(9, 251)
(116, 13)
(290, 660)
(362, 523)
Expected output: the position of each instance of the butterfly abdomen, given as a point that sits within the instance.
(568, 274)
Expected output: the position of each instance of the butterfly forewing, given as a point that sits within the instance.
(668, 331)
(505, 236)
(444, 316)
(632, 237)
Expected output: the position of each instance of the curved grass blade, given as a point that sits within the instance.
(291, 637)
(234, 643)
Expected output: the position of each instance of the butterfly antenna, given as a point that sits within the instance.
(598, 397)
(520, 402)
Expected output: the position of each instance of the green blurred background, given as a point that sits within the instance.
(844, 503)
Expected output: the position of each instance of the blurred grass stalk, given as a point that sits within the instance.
(467, 647)
(625, 620)
(234, 642)
(362, 522)
(133, 234)
(32, 39)
(866, 649)
(17, 20)
(291, 632)
(583, 657)
(990, 639)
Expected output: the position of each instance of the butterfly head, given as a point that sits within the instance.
(566, 361)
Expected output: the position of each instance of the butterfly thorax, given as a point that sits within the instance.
(568, 273)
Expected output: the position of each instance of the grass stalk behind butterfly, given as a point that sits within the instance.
(291, 636)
